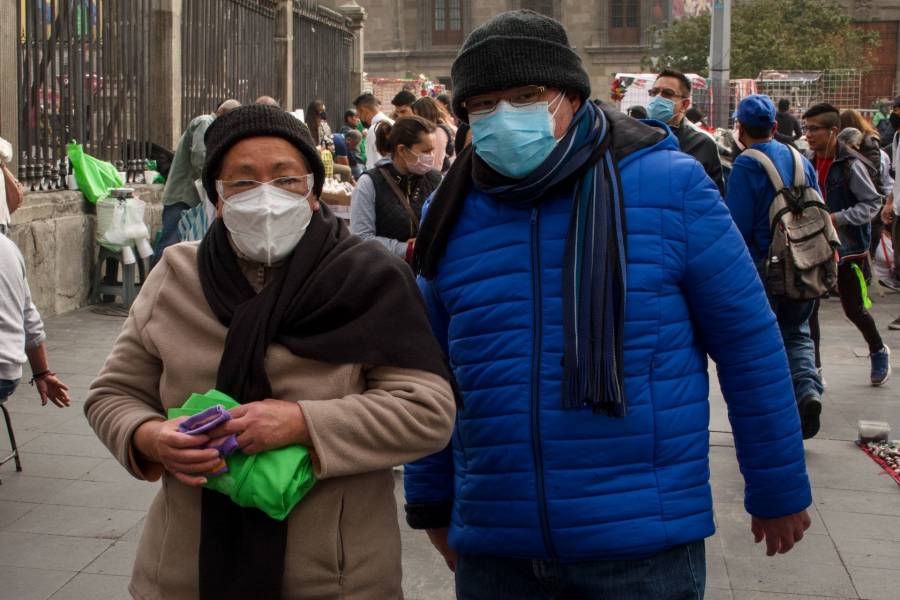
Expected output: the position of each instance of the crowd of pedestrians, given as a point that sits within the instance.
(520, 312)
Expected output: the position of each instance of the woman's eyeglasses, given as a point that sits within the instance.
(296, 184)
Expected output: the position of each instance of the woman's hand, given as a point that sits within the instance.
(265, 425)
(179, 453)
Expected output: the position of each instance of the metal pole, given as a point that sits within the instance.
(720, 60)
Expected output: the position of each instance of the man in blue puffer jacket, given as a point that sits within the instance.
(578, 269)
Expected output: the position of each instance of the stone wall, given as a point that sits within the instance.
(55, 232)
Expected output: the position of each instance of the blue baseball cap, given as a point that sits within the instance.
(756, 110)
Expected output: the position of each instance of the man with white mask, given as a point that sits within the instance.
(670, 98)
(578, 270)
(283, 310)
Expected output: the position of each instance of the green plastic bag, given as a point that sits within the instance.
(94, 176)
(273, 481)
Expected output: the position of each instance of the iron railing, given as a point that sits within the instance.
(322, 48)
(227, 52)
(83, 74)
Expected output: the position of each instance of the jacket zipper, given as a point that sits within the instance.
(535, 382)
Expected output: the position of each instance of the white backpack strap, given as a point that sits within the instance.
(765, 161)
(799, 171)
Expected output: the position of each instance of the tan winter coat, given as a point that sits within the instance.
(343, 537)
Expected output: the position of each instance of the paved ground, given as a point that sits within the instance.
(69, 524)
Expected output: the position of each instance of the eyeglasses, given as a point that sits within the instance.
(812, 128)
(296, 184)
(519, 98)
(666, 93)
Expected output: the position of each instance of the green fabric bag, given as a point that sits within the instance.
(95, 177)
(273, 481)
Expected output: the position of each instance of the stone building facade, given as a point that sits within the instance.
(409, 37)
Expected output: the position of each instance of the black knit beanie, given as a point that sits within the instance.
(257, 120)
(514, 49)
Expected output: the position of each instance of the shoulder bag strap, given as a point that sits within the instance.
(413, 218)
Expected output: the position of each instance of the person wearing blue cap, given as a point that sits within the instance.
(750, 194)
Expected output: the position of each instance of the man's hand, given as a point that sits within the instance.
(179, 453)
(780, 534)
(265, 425)
(51, 388)
(438, 539)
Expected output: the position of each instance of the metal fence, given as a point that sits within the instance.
(322, 47)
(83, 72)
(227, 51)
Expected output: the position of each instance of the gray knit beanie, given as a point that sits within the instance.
(513, 49)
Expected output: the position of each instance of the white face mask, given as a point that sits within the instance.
(266, 223)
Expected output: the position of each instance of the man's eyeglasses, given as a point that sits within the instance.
(666, 93)
(296, 184)
(519, 98)
(812, 128)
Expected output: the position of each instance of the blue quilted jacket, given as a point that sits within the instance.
(524, 477)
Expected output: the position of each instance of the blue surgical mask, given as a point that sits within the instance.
(514, 141)
(661, 109)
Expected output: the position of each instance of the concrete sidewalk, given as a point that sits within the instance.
(69, 524)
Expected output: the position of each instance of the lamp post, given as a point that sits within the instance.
(720, 61)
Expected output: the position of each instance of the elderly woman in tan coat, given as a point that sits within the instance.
(320, 337)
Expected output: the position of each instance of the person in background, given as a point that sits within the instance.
(853, 201)
(788, 125)
(351, 121)
(403, 102)
(387, 202)
(341, 152)
(891, 214)
(890, 126)
(444, 101)
(369, 109)
(6, 157)
(869, 147)
(316, 120)
(749, 198)
(267, 101)
(670, 98)
(181, 191)
(271, 312)
(444, 148)
(637, 112)
(698, 119)
(354, 143)
(22, 333)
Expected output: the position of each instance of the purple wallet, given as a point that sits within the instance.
(207, 420)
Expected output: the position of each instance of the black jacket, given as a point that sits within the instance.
(788, 125)
(704, 149)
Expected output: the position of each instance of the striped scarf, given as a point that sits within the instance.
(594, 272)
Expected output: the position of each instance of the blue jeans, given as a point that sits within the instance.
(793, 320)
(169, 234)
(678, 573)
(7, 387)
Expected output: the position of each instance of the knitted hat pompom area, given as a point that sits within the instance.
(257, 120)
(514, 49)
